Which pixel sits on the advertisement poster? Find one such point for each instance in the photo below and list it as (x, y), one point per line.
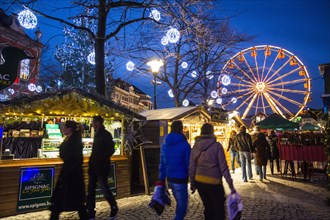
(111, 182)
(36, 188)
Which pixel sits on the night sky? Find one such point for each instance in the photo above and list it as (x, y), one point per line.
(302, 27)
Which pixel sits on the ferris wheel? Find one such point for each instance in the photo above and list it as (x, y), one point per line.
(266, 79)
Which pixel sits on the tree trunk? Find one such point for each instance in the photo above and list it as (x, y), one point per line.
(99, 49)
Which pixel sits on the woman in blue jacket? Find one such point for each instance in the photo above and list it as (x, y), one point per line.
(174, 166)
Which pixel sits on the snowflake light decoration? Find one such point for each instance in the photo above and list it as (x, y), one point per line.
(224, 91)
(11, 91)
(164, 41)
(170, 93)
(39, 88)
(185, 103)
(130, 66)
(173, 35)
(27, 19)
(219, 101)
(225, 80)
(214, 94)
(155, 14)
(234, 100)
(194, 74)
(209, 74)
(91, 58)
(184, 65)
(32, 87)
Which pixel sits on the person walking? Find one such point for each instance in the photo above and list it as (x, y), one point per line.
(69, 193)
(262, 149)
(232, 146)
(174, 165)
(99, 168)
(274, 152)
(244, 143)
(207, 167)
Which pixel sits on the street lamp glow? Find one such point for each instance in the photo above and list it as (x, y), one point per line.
(155, 65)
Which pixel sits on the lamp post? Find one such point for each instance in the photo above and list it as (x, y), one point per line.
(155, 65)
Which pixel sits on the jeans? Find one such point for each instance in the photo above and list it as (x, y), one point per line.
(246, 160)
(103, 181)
(233, 155)
(213, 198)
(262, 171)
(180, 193)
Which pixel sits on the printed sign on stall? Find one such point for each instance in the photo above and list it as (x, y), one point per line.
(111, 182)
(36, 188)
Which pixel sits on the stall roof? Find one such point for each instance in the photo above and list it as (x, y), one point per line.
(173, 113)
(276, 121)
(64, 102)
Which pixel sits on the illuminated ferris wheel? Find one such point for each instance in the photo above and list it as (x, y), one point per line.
(266, 79)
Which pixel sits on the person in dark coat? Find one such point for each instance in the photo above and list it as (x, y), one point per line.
(244, 143)
(232, 146)
(69, 193)
(99, 168)
(261, 147)
(174, 165)
(274, 152)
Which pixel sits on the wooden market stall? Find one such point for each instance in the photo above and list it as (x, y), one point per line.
(29, 148)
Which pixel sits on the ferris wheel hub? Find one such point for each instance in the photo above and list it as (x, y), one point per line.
(260, 86)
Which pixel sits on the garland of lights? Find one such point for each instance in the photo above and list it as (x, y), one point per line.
(27, 19)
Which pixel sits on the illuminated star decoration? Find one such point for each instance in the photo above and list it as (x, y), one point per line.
(209, 74)
(11, 91)
(130, 66)
(39, 88)
(224, 90)
(194, 74)
(173, 35)
(27, 19)
(214, 94)
(164, 41)
(185, 103)
(234, 100)
(170, 93)
(32, 87)
(155, 14)
(225, 80)
(184, 65)
(91, 58)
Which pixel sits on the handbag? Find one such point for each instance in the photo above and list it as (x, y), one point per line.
(234, 206)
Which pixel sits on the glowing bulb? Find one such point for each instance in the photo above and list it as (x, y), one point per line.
(214, 94)
(209, 74)
(32, 87)
(91, 58)
(219, 101)
(155, 14)
(184, 65)
(210, 102)
(130, 66)
(27, 19)
(185, 103)
(170, 93)
(224, 90)
(234, 100)
(194, 74)
(173, 35)
(225, 80)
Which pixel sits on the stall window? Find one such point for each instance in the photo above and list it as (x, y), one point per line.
(25, 69)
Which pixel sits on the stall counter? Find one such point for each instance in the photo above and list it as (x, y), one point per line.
(10, 171)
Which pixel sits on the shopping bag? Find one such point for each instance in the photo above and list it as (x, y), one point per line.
(234, 206)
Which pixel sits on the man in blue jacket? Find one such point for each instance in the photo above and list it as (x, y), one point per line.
(174, 166)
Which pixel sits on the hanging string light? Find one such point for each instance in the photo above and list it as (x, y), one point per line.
(27, 19)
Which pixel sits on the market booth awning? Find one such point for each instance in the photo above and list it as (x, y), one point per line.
(276, 121)
(310, 127)
(71, 102)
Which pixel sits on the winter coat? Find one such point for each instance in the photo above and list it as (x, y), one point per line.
(208, 162)
(262, 149)
(103, 148)
(244, 142)
(274, 152)
(69, 193)
(232, 145)
(174, 158)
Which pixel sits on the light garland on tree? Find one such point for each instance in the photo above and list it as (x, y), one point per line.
(91, 58)
(27, 19)
(164, 41)
(234, 100)
(184, 65)
(155, 14)
(130, 66)
(194, 74)
(214, 94)
(224, 91)
(173, 35)
(170, 93)
(185, 103)
(219, 101)
(209, 74)
(225, 80)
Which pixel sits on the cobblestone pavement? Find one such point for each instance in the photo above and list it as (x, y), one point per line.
(275, 198)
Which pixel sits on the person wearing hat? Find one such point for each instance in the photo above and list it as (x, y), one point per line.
(99, 168)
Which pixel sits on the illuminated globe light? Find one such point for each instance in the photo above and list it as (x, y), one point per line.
(39, 89)
(91, 58)
(209, 74)
(11, 91)
(234, 100)
(185, 103)
(219, 101)
(225, 80)
(32, 87)
(27, 19)
(224, 90)
(130, 66)
(194, 74)
(164, 41)
(155, 14)
(214, 94)
(173, 35)
(170, 93)
(184, 65)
